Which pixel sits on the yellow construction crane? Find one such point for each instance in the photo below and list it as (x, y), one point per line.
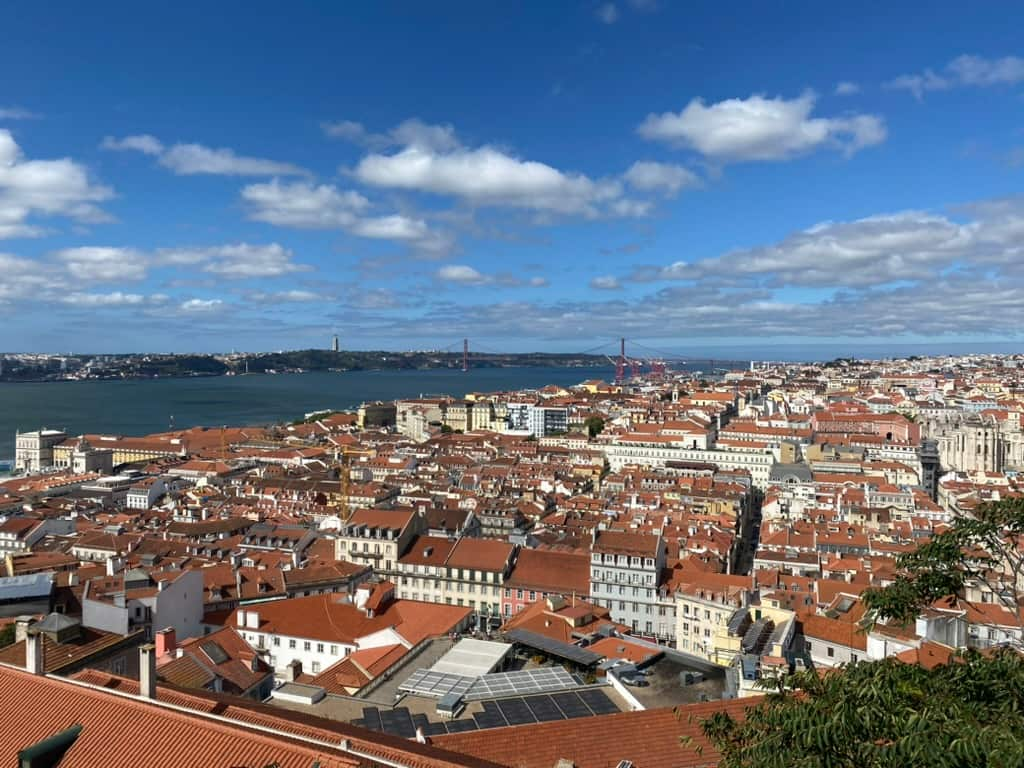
(343, 465)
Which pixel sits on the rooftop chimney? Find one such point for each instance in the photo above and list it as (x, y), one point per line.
(21, 628)
(293, 671)
(147, 671)
(34, 652)
(166, 642)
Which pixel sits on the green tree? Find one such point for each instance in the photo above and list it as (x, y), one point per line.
(594, 425)
(883, 714)
(987, 550)
(7, 635)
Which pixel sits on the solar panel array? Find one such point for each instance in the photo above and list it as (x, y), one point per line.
(426, 682)
(521, 683)
(500, 713)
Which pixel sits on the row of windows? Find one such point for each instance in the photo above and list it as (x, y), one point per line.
(307, 645)
(619, 576)
(464, 574)
(629, 606)
(637, 592)
(623, 560)
(482, 605)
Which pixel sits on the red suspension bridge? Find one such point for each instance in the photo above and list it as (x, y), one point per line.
(641, 359)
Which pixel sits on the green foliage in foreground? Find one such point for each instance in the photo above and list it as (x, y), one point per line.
(975, 549)
(885, 714)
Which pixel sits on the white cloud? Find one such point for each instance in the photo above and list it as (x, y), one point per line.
(236, 260)
(903, 247)
(192, 159)
(96, 300)
(349, 130)
(665, 177)
(412, 132)
(607, 13)
(307, 206)
(484, 176)
(144, 143)
(22, 278)
(963, 71)
(200, 305)
(847, 88)
(43, 188)
(460, 273)
(303, 205)
(393, 227)
(292, 296)
(606, 283)
(17, 113)
(760, 128)
(416, 133)
(103, 264)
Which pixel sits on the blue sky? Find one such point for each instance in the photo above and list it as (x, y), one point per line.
(202, 177)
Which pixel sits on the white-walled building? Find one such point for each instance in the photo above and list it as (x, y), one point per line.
(320, 630)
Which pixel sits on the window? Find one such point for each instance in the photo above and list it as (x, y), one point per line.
(306, 645)
(316, 667)
(275, 641)
(519, 594)
(831, 652)
(319, 647)
(533, 595)
(291, 644)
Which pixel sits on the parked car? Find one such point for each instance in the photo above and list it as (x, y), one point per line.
(637, 681)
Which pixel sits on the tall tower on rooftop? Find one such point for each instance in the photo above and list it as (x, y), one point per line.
(334, 344)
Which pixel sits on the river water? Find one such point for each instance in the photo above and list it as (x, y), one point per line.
(139, 407)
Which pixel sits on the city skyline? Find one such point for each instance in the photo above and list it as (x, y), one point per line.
(547, 178)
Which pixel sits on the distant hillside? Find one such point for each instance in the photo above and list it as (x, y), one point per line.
(324, 360)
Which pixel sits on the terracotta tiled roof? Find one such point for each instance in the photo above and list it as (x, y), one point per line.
(623, 543)
(480, 554)
(329, 618)
(648, 739)
(374, 745)
(833, 631)
(549, 571)
(119, 732)
(61, 656)
(929, 655)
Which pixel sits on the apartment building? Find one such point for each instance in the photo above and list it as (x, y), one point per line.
(378, 538)
(148, 601)
(33, 451)
(705, 605)
(625, 570)
(542, 573)
(758, 462)
(537, 420)
(468, 572)
(309, 634)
